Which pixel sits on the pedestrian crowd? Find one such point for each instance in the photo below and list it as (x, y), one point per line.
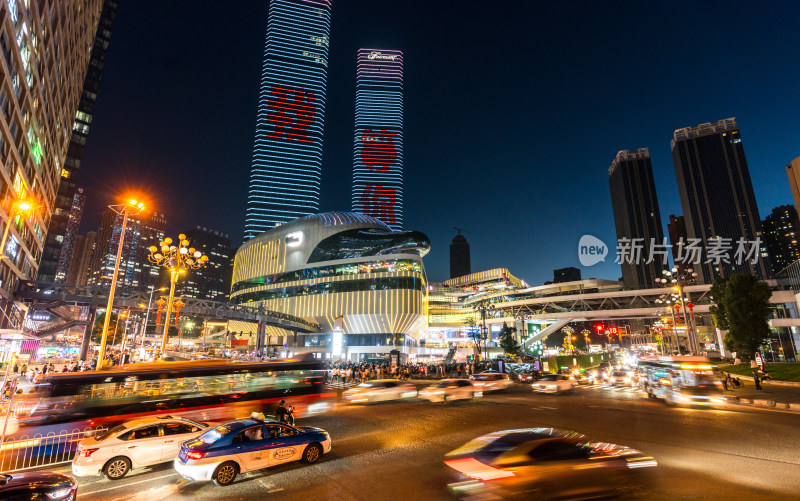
(350, 372)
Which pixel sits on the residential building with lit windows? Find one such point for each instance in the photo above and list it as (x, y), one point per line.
(337, 264)
(782, 236)
(46, 48)
(67, 240)
(60, 234)
(212, 281)
(287, 154)
(378, 146)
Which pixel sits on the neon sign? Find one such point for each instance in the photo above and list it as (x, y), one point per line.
(379, 55)
(290, 113)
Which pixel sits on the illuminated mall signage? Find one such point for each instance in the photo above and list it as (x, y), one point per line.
(293, 239)
(380, 55)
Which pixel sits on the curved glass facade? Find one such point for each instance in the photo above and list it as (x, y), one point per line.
(364, 242)
(391, 265)
(372, 284)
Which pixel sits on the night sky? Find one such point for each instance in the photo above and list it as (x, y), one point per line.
(514, 112)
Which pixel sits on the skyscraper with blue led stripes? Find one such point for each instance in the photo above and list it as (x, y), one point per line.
(378, 149)
(287, 154)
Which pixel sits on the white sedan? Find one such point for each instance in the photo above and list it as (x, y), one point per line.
(491, 381)
(553, 383)
(449, 389)
(380, 390)
(135, 444)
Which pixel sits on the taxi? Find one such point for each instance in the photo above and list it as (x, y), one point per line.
(245, 445)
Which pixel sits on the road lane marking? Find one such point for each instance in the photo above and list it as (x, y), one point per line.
(84, 493)
(551, 408)
(275, 490)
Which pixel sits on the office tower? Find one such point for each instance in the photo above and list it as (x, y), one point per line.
(55, 258)
(676, 229)
(70, 234)
(717, 198)
(637, 218)
(78, 273)
(459, 257)
(570, 274)
(45, 49)
(287, 154)
(378, 149)
(135, 271)
(212, 281)
(153, 226)
(793, 170)
(782, 236)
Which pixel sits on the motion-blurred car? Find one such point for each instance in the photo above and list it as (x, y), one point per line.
(620, 378)
(553, 383)
(539, 463)
(526, 377)
(38, 485)
(596, 374)
(449, 389)
(380, 390)
(221, 453)
(135, 444)
(490, 381)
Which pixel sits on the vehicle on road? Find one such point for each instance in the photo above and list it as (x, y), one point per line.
(223, 452)
(134, 444)
(38, 485)
(597, 374)
(553, 383)
(380, 390)
(682, 380)
(620, 378)
(490, 381)
(448, 390)
(527, 376)
(544, 463)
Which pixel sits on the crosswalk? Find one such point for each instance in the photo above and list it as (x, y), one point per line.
(610, 387)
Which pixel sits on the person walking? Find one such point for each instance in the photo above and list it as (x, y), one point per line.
(758, 383)
(724, 382)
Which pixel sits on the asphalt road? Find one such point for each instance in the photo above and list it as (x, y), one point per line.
(394, 450)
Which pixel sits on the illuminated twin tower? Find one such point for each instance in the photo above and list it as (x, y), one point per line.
(286, 168)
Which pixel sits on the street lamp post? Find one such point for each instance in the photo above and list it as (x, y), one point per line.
(178, 259)
(678, 279)
(484, 307)
(147, 314)
(131, 208)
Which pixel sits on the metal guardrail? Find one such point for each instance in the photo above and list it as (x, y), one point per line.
(26, 453)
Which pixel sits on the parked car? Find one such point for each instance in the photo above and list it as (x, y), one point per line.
(134, 444)
(38, 485)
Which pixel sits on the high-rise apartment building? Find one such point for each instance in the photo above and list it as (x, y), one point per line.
(78, 273)
(69, 237)
(212, 281)
(717, 197)
(782, 236)
(637, 218)
(287, 155)
(56, 255)
(45, 49)
(459, 257)
(793, 170)
(676, 229)
(378, 149)
(135, 271)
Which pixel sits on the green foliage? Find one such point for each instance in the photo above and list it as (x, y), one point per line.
(745, 303)
(508, 341)
(474, 334)
(114, 330)
(718, 313)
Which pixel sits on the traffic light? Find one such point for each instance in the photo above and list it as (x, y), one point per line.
(599, 328)
(613, 330)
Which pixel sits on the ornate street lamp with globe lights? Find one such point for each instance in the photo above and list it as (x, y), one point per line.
(178, 259)
(677, 280)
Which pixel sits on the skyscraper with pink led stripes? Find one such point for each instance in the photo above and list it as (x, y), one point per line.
(378, 148)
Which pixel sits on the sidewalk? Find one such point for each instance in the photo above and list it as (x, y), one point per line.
(774, 395)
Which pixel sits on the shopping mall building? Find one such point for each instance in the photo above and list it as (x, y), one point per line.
(363, 283)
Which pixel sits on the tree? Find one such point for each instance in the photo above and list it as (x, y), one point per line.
(745, 312)
(474, 334)
(717, 309)
(508, 340)
(115, 329)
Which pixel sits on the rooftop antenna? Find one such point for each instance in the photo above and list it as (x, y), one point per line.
(459, 230)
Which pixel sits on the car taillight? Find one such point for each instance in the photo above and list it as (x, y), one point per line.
(473, 468)
(194, 455)
(87, 452)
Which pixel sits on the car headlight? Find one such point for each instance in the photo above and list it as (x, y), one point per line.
(59, 493)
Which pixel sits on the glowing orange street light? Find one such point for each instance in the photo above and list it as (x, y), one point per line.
(133, 207)
(17, 207)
